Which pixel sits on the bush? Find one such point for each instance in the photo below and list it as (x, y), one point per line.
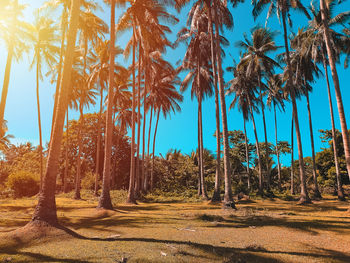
(88, 182)
(23, 183)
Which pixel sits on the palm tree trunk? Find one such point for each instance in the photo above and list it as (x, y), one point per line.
(98, 147)
(105, 198)
(39, 126)
(204, 191)
(260, 191)
(277, 150)
(80, 146)
(268, 179)
(131, 193)
(292, 159)
(340, 191)
(65, 187)
(304, 196)
(5, 86)
(246, 153)
(228, 199)
(199, 190)
(59, 69)
(338, 95)
(45, 211)
(143, 179)
(137, 176)
(216, 195)
(317, 193)
(154, 147)
(146, 183)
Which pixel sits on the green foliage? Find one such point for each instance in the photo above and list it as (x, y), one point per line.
(88, 182)
(23, 183)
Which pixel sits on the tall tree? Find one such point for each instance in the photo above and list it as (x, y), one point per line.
(45, 211)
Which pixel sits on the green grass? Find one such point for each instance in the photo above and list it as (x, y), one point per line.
(266, 230)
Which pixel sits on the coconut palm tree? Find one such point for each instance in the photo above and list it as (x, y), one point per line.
(45, 211)
(282, 9)
(15, 33)
(257, 61)
(43, 38)
(276, 97)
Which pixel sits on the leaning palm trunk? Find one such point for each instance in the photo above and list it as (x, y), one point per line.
(39, 126)
(45, 211)
(98, 147)
(131, 193)
(277, 150)
(317, 193)
(246, 153)
(338, 95)
(304, 196)
(80, 146)
(228, 199)
(105, 198)
(261, 191)
(154, 147)
(340, 191)
(64, 24)
(216, 195)
(5, 86)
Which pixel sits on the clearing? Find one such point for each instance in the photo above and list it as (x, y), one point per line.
(269, 230)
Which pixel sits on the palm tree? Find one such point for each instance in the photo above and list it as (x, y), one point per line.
(325, 10)
(43, 38)
(244, 88)
(196, 62)
(14, 32)
(83, 96)
(257, 62)
(45, 211)
(282, 7)
(276, 97)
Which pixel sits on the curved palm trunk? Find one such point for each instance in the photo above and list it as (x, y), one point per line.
(146, 183)
(64, 25)
(45, 211)
(154, 147)
(340, 191)
(137, 176)
(338, 95)
(260, 191)
(5, 86)
(277, 150)
(246, 153)
(216, 195)
(65, 187)
(228, 199)
(317, 193)
(39, 126)
(304, 196)
(131, 193)
(105, 198)
(80, 146)
(292, 159)
(98, 146)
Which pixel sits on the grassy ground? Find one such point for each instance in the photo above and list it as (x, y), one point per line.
(173, 231)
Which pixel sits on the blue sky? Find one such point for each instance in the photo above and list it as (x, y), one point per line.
(179, 131)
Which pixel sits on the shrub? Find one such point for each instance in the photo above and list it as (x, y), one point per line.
(23, 183)
(88, 182)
